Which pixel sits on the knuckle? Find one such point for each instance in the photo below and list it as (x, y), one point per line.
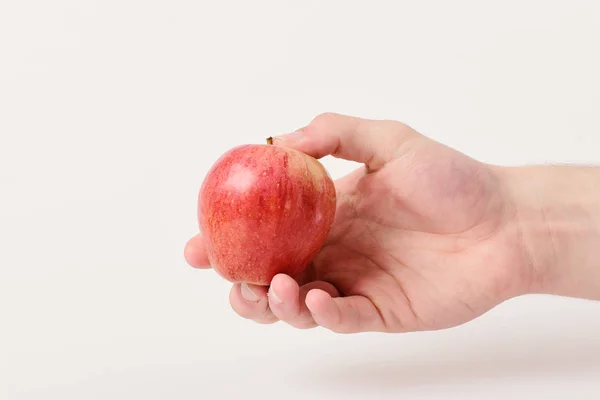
(324, 119)
(396, 128)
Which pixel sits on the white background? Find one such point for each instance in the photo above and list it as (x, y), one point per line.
(112, 111)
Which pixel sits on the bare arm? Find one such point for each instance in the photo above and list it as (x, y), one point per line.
(559, 212)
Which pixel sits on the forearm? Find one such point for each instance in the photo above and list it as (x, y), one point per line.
(558, 213)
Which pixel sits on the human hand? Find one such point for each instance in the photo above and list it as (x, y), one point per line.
(424, 237)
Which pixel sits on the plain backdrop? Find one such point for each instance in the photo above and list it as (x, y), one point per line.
(112, 111)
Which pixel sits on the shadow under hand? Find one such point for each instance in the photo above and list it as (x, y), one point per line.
(464, 356)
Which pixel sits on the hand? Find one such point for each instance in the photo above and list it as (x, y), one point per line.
(424, 237)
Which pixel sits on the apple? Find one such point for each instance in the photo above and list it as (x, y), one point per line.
(264, 209)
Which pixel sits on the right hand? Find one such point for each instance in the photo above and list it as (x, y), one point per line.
(424, 237)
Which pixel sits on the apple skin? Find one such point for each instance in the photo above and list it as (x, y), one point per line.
(264, 210)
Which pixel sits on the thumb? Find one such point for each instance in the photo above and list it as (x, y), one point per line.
(371, 142)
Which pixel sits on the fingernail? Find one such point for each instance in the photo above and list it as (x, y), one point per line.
(273, 296)
(291, 137)
(248, 294)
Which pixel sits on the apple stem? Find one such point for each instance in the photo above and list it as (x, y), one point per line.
(269, 140)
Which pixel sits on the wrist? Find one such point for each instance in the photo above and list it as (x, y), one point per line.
(557, 213)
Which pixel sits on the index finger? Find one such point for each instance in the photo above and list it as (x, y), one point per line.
(371, 142)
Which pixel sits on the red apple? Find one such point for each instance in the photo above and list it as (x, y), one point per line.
(264, 210)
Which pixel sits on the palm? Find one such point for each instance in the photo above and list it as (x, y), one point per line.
(426, 238)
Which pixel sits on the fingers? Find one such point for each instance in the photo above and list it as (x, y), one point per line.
(251, 302)
(370, 142)
(286, 300)
(283, 300)
(314, 304)
(344, 314)
(195, 254)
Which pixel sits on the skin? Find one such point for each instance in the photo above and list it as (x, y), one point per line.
(428, 238)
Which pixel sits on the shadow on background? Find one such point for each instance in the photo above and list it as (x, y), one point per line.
(521, 343)
(567, 351)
